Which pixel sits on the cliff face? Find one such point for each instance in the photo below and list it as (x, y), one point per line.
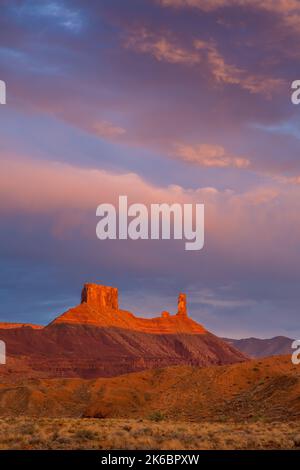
(96, 339)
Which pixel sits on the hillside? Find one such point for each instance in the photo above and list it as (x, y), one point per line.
(268, 389)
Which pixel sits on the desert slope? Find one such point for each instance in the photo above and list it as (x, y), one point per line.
(268, 389)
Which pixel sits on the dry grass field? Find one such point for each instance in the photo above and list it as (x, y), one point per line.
(72, 433)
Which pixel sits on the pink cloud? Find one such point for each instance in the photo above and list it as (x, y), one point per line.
(164, 48)
(238, 226)
(107, 130)
(210, 156)
(288, 10)
(233, 75)
(47, 187)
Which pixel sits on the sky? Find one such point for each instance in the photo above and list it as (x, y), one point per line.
(176, 101)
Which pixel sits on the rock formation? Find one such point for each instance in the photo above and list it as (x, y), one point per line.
(97, 338)
(100, 297)
(165, 314)
(182, 310)
(99, 307)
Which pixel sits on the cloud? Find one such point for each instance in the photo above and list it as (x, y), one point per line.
(164, 48)
(204, 87)
(68, 193)
(288, 10)
(259, 196)
(41, 187)
(213, 298)
(286, 7)
(232, 75)
(57, 12)
(210, 156)
(107, 130)
(288, 180)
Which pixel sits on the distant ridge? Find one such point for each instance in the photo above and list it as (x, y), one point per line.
(7, 325)
(255, 347)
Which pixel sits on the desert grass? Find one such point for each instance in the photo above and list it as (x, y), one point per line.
(71, 433)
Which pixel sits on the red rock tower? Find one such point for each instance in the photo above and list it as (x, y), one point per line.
(182, 310)
(100, 297)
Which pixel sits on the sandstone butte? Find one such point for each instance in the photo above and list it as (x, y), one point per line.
(100, 307)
